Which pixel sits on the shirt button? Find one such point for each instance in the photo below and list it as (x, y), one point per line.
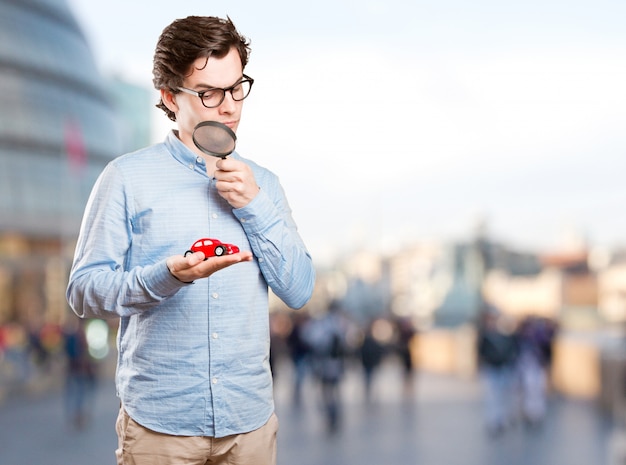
(214, 215)
(215, 336)
(191, 166)
(214, 380)
(243, 220)
(215, 295)
(199, 159)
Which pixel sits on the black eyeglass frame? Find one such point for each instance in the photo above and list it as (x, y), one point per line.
(224, 90)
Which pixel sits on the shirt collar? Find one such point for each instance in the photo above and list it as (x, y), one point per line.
(179, 151)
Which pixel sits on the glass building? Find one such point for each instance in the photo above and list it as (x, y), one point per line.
(58, 128)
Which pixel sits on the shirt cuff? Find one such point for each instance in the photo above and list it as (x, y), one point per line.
(161, 282)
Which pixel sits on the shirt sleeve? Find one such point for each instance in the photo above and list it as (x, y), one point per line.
(283, 258)
(99, 284)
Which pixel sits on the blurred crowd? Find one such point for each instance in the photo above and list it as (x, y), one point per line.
(324, 347)
(514, 359)
(43, 357)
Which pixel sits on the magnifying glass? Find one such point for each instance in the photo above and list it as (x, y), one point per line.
(215, 139)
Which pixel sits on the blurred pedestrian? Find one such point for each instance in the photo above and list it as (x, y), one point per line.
(38, 353)
(371, 351)
(328, 339)
(536, 336)
(299, 351)
(280, 328)
(80, 374)
(498, 350)
(406, 335)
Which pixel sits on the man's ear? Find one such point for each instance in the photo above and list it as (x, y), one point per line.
(169, 100)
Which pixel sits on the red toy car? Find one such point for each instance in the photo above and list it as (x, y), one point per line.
(212, 248)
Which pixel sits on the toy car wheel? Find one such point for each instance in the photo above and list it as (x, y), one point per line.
(189, 252)
(220, 250)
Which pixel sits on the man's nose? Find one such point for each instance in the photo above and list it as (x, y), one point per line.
(228, 104)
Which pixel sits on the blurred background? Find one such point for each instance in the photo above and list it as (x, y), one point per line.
(444, 160)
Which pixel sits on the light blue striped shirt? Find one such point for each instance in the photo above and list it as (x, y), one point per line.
(193, 359)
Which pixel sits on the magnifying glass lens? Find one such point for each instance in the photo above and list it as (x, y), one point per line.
(215, 139)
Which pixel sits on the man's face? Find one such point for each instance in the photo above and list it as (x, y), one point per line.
(216, 73)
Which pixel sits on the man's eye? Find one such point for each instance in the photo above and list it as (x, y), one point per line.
(209, 95)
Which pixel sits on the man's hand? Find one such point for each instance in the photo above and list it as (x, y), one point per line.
(235, 182)
(194, 266)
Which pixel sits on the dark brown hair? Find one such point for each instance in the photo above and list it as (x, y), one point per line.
(184, 41)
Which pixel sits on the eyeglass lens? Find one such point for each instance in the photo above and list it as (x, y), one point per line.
(214, 97)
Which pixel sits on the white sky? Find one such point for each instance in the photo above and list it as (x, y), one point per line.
(391, 121)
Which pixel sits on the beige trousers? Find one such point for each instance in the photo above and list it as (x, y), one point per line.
(140, 446)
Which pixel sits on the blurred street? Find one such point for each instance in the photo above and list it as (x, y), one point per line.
(439, 423)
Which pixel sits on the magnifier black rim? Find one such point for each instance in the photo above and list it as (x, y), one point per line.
(218, 125)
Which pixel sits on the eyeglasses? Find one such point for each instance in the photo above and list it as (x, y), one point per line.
(214, 96)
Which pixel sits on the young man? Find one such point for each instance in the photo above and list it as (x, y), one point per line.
(193, 371)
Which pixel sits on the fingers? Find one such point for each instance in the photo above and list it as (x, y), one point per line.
(195, 258)
(194, 266)
(230, 171)
(230, 177)
(214, 264)
(227, 164)
(235, 182)
(179, 263)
